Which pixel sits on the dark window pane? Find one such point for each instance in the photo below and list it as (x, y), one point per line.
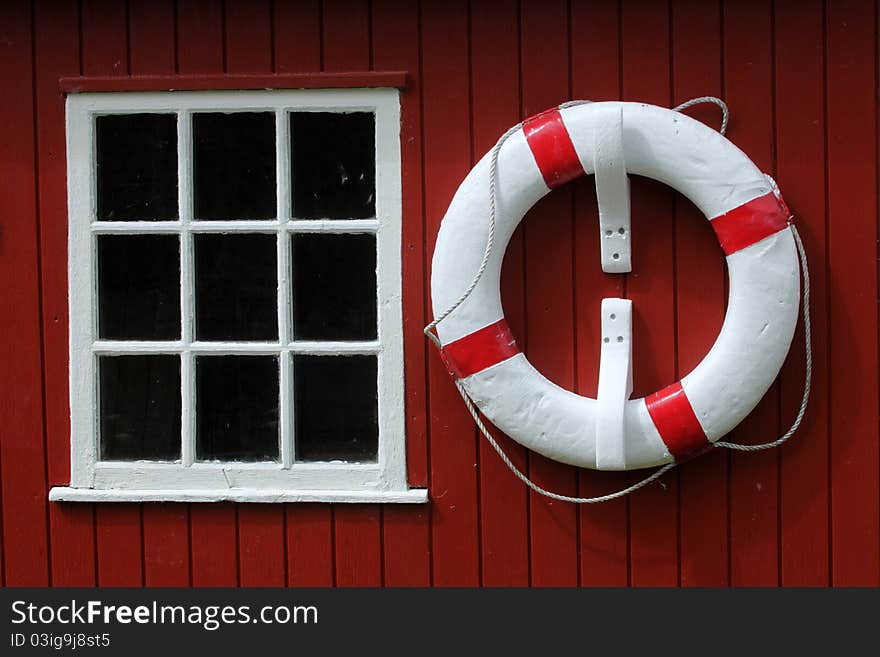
(333, 165)
(138, 287)
(236, 287)
(334, 287)
(335, 408)
(234, 165)
(137, 167)
(237, 408)
(140, 407)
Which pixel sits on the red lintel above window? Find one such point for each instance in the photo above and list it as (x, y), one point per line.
(396, 79)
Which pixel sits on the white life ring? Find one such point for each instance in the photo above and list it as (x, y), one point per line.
(751, 222)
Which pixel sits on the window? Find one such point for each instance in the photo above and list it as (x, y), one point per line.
(235, 296)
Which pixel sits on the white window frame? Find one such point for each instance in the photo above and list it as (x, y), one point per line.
(188, 480)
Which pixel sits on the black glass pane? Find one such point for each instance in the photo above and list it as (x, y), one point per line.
(237, 408)
(334, 287)
(234, 165)
(136, 167)
(138, 287)
(333, 165)
(335, 408)
(236, 287)
(139, 407)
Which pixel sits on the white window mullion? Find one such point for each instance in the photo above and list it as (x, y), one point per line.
(282, 155)
(336, 348)
(283, 196)
(131, 347)
(128, 227)
(282, 160)
(187, 288)
(187, 406)
(285, 409)
(334, 225)
(248, 226)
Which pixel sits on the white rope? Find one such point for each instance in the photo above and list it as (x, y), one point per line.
(725, 113)
(808, 358)
(535, 487)
(490, 240)
(487, 253)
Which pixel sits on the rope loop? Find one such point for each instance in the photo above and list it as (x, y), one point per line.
(487, 253)
(725, 113)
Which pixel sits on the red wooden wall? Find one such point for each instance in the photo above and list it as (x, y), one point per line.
(800, 77)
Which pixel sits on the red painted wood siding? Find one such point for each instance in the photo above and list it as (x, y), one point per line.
(800, 77)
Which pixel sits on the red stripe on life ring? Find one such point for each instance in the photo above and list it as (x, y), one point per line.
(674, 417)
(750, 222)
(552, 148)
(478, 350)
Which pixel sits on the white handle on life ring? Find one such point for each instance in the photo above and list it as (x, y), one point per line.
(683, 419)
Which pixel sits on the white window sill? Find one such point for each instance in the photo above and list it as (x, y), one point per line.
(68, 494)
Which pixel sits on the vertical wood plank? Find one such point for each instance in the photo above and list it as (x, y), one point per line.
(214, 542)
(406, 535)
(118, 528)
(71, 526)
(447, 143)
(119, 543)
(646, 77)
(699, 289)
(406, 545)
(309, 545)
(748, 75)
(22, 458)
(104, 37)
(2, 546)
(200, 46)
(852, 254)
(72, 540)
(603, 527)
(165, 526)
(201, 49)
(261, 545)
(549, 293)
(504, 523)
(358, 545)
(357, 527)
(166, 545)
(248, 36)
(800, 169)
(346, 35)
(297, 36)
(151, 37)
